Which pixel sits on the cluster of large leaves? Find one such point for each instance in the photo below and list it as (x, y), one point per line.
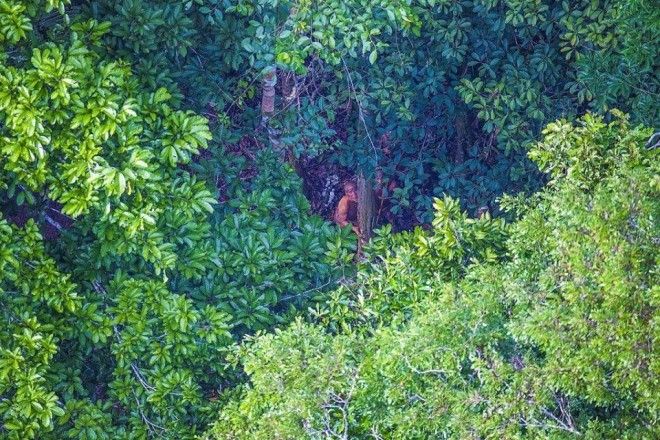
(557, 341)
(16, 17)
(76, 129)
(624, 74)
(115, 326)
(37, 302)
(270, 255)
(132, 360)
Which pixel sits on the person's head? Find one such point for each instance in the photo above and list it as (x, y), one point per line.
(350, 190)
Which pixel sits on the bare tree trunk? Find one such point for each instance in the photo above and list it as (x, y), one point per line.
(268, 95)
(289, 88)
(268, 110)
(366, 207)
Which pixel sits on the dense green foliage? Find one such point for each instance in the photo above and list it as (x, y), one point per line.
(558, 340)
(116, 325)
(441, 96)
(165, 272)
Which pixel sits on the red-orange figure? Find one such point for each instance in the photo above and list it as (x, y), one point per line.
(346, 212)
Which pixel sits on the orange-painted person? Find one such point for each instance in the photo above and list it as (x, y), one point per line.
(346, 212)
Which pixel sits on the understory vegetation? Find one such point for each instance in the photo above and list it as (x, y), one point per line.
(169, 266)
(544, 327)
